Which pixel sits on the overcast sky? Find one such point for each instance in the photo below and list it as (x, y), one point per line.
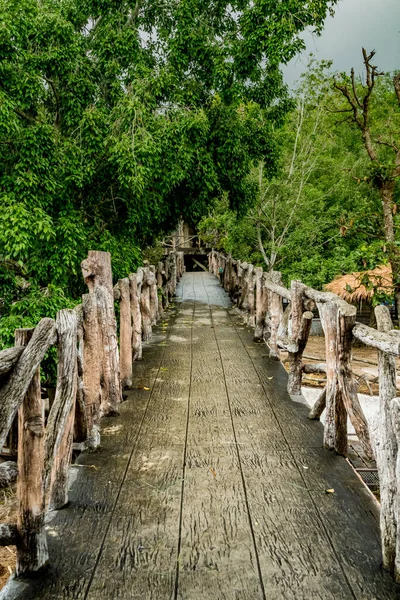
(374, 24)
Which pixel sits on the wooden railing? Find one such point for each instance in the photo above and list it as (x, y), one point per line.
(260, 295)
(91, 373)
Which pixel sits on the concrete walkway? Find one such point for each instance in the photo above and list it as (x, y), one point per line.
(211, 484)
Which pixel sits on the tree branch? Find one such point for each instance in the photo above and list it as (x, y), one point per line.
(57, 118)
(388, 144)
(396, 83)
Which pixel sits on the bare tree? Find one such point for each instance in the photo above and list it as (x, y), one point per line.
(358, 98)
(280, 201)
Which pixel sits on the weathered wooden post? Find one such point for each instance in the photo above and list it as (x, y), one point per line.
(80, 425)
(386, 448)
(215, 263)
(261, 304)
(296, 358)
(235, 287)
(135, 284)
(153, 295)
(335, 430)
(166, 277)
(111, 391)
(13, 391)
(160, 285)
(228, 274)
(299, 330)
(275, 311)
(92, 372)
(172, 274)
(251, 296)
(125, 331)
(60, 423)
(32, 552)
(395, 412)
(243, 301)
(145, 307)
(338, 319)
(96, 270)
(319, 406)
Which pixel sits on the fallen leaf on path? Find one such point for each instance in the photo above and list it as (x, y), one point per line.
(269, 378)
(330, 491)
(213, 472)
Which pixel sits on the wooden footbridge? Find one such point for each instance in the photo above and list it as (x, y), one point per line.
(210, 483)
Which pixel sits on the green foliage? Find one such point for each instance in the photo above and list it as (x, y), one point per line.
(119, 118)
(317, 216)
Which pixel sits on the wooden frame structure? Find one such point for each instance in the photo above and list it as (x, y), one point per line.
(260, 295)
(92, 371)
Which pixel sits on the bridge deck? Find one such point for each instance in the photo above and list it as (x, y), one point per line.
(212, 483)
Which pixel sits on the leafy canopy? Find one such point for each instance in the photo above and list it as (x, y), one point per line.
(118, 117)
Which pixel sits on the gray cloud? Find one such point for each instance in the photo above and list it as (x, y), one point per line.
(374, 24)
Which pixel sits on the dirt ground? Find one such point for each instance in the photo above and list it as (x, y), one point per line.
(8, 514)
(366, 372)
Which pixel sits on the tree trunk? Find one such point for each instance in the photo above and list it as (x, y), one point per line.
(32, 552)
(386, 192)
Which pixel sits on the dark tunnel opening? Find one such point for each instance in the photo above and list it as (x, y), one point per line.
(192, 262)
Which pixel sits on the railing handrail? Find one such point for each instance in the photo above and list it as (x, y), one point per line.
(260, 295)
(91, 373)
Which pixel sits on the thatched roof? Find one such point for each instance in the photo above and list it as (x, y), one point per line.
(355, 287)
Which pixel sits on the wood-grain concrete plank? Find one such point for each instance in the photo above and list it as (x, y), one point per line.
(212, 485)
(217, 552)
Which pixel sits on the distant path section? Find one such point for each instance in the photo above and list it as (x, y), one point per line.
(212, 484)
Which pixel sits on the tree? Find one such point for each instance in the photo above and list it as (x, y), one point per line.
(118, 118)
(309, 219)
(363, 101)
